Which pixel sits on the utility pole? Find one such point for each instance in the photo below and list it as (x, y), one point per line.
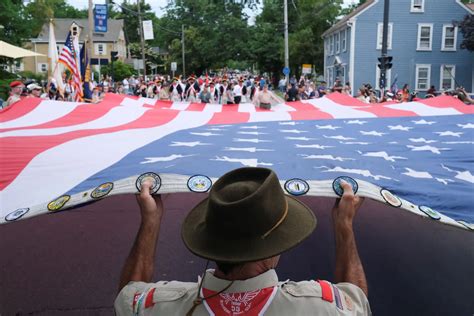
(383, 60)
(140, 27)
(182, 42)
(91, 31)
(287, 54)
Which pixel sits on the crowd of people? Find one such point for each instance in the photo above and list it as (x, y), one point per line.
(225, 89)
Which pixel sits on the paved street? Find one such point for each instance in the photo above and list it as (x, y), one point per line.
(69, 263)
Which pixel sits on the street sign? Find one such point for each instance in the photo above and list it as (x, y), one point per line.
(100, 18)
(148, 30)
(307, 69)
(174, 66)
(286, 71)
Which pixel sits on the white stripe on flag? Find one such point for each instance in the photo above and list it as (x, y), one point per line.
(212, 107)
(269, 116)
(45, 112)
(85, 156)
(423, 109)
(247, 108)
(336, 110)
(117, 116)
(139, 102)
(180, 106)
(283, 107)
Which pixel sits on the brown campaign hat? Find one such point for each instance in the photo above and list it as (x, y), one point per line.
(246, 217)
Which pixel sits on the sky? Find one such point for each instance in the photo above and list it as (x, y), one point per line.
(156, 5)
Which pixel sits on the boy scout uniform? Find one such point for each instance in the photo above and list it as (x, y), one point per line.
(261, 295)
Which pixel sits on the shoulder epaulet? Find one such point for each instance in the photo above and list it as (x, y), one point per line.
(326, 291)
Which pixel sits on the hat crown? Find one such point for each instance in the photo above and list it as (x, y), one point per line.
(245, 203)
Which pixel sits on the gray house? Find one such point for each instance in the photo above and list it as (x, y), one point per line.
(422, 39)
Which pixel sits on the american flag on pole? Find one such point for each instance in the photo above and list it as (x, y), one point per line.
(70, 58)
(417, 157)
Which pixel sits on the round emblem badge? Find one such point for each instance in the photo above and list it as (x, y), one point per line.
(199, 183)
(102, 190)
(58, 203)
(296, 186)
(336, 185)
(430, 212)
(153, 178)
(391, 199)
(13, 216)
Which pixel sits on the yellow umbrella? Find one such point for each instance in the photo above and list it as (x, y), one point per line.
(12, 51)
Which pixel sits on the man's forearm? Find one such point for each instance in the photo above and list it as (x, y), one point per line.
(348, 265)
(139, 265)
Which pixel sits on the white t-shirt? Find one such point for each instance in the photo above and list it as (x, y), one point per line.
(237, 91)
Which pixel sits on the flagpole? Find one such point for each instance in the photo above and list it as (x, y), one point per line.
(91, 26)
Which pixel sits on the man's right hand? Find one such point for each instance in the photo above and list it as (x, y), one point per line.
(345, 209)
(348, 265)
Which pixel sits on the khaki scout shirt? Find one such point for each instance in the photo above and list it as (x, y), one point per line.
(261, 295)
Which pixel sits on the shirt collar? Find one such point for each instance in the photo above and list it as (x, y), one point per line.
(264, 280)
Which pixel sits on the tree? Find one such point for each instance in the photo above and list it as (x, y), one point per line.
(467, 29)
(14, 21)
(121, 70)
(40, 11)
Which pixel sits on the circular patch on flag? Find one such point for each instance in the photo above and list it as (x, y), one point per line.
(13, 216)
(102, 190)
(391, 199)
(199, 183)
(336, 185)
(469, 226)
(153, 178)
(58, 203)
(296, 186)
(430, 212)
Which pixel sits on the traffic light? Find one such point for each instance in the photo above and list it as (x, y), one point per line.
(113, 56)
(385, 62)
(388, 62)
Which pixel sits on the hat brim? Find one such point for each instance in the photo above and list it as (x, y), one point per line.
(296, 227)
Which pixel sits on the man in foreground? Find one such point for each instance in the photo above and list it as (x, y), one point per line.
(244, 225)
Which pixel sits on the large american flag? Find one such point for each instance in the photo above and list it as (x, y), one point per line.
(421, 152)
(70, 58)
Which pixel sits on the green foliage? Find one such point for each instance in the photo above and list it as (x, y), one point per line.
(40, 11)
(15, 22)
(466, 27)
(31, 75)
(121, 70)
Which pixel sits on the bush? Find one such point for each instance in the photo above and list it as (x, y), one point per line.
(32, 75)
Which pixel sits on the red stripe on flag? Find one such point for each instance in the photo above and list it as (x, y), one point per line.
(309, 115)
(446, 101)
(344, 99)
(229, 118)
(230, 107)
(196, 107)
(19, 109)
(17, 152)
(81, 114)
(163, 104)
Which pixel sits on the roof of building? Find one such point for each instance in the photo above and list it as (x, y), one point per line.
(346, 18)
(61, 29)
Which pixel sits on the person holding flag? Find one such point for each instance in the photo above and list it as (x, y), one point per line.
(70, 58)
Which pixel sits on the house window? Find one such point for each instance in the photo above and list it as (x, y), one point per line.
(388, 79)
(417, 6)
(380, 35)
(448, 73)
(336, 39)
(100, 49)
(331, 45)
(74, 31)
(42, 67)
(330, 76)
(423, 75)
(344, 40)
(327, 46)
(449, 37)
(425, 34)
